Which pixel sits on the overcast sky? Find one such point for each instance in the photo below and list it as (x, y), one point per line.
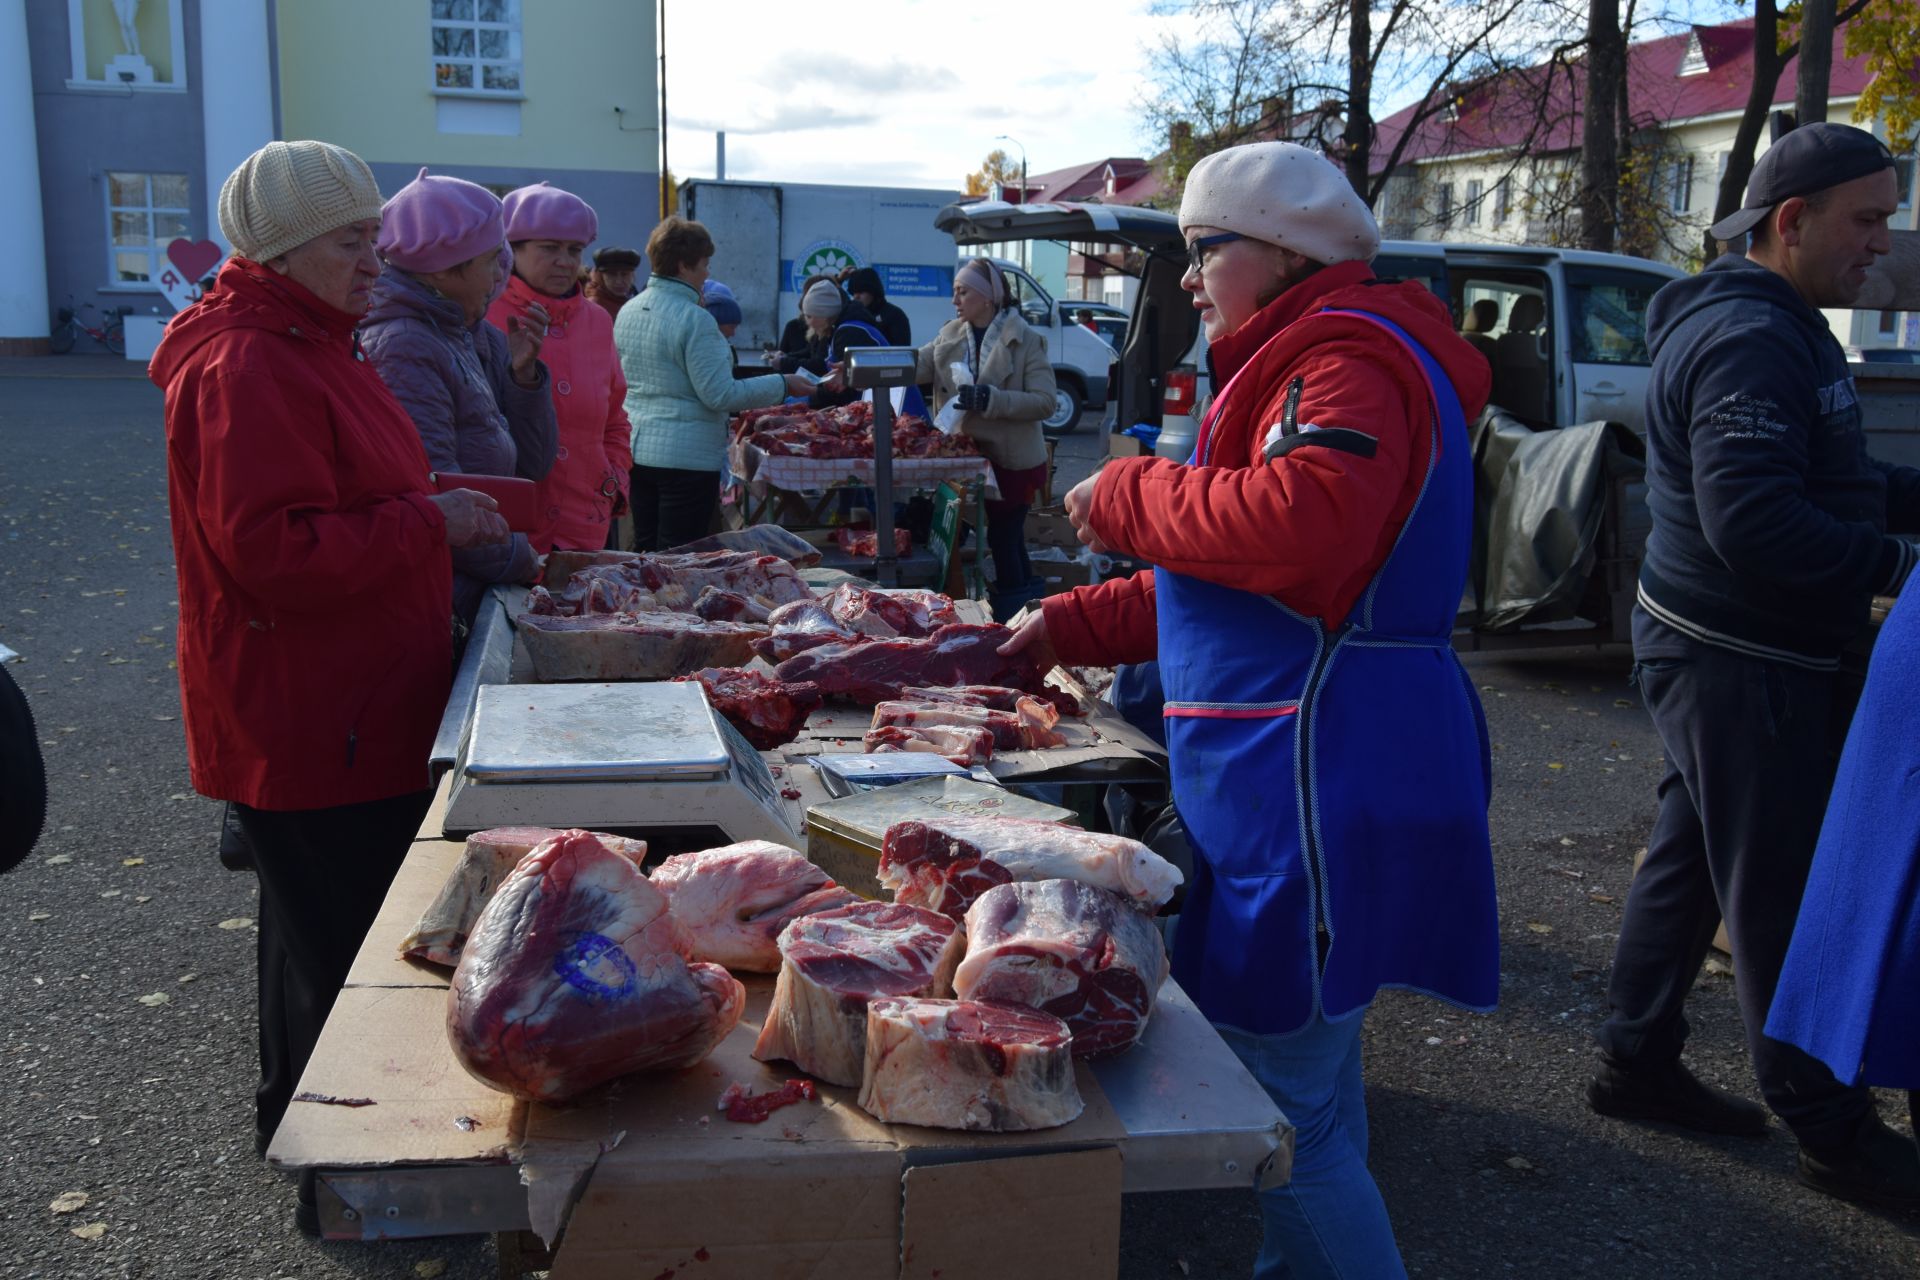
(911, 92)
(905, 93)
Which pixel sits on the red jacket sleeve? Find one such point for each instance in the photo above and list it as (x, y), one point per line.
(619, 437)
(269, 509)
(1105, 625)
(1309, 528)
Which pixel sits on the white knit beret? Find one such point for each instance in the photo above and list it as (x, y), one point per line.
(1285, 195)
(286, 193)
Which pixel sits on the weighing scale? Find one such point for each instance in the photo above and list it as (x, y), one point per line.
(646, 756)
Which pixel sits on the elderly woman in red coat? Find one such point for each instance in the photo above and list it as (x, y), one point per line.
(314, 574)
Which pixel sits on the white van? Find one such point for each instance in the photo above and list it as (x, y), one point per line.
(1082, 360)
(1563, 329)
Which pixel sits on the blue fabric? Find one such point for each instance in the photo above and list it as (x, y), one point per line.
(1769, 518)
(1329, 1220)
(1850, 988)
(1334, 782)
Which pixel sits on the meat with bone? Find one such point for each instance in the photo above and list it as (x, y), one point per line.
(1028, 728)
(832, 963)
(945, 863)
(716, 605)
(887, 614)
(632, 646)
(670, 581)
(865, 543)
(489, 857)
(768, 713)
(967, 1064)
(577, 974)
(733, 901)
(996, 697)
(965, 745)
(961, 653)
(802, 625)
(1082, 954)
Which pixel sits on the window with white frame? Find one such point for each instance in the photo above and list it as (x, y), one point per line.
(1443, 206)
(1680, 184)
(142, 49)
(476, 45)
(1472, 211)
(1903, 178)
(1502, 199)
(146, 212)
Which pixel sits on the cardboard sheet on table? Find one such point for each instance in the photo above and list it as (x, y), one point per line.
(389, 1045)
(1051, 1216)
(417, 884)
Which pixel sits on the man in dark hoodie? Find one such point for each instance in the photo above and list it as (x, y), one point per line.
(863, 284)
(1770, 536)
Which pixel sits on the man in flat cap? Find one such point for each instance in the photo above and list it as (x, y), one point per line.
(1771, 534)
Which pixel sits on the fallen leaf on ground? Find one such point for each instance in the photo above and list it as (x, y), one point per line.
(1566, 841)
(188, 977)
(1519, 1162)
(69, 1202)
(41, 915)
(181, 795)
(157, 999)
(133, 862)
(1556, 765)
(1622, 702)
(237, 922)
(92, 1231)
(1602, 897)
(145, 897)
(1536, 927)
(430, 1268)
(59, 859)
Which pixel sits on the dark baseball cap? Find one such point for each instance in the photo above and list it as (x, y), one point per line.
(1809, 159)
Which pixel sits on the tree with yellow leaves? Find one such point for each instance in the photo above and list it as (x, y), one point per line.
(997, 167)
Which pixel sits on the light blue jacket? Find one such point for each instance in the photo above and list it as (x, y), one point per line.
(680, 383)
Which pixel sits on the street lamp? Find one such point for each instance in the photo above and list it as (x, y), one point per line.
(1001, 137)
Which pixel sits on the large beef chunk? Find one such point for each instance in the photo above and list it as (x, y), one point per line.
(945, 863)
(734, 901)
(1079, 953)
(877, 670)
(768, 713)
(577, 974)
(967, 1064)
(832, 963)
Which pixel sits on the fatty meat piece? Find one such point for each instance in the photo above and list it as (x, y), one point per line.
(577, 974)
(1080, 953)
(733, 901)
(485, 863)
(832, 963)
(967, 1064)
(876, 671)
(1029, 727)
(799, 626)
(945, 863)
(964, 746)
(887, 615)
(768, 713)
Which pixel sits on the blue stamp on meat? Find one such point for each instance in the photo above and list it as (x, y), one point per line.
(596, 966)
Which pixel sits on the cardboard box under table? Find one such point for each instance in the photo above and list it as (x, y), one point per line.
(643, 1176)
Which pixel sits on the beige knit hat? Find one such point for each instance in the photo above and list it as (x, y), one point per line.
(286, 193)
(1285, 195)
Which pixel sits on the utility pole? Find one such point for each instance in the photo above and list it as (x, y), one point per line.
(664, 171)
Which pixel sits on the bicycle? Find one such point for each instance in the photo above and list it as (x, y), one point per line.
(110, 334)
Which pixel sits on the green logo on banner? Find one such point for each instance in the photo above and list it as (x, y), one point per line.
(824, 258)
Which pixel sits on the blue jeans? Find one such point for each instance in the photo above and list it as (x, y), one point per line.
(1329, 1220)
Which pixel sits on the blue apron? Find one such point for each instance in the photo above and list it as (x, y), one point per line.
(912, 402)
(1335, 782)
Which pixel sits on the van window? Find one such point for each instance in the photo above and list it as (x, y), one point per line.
(1506, 315)
(1610, 314)
(1432, 272)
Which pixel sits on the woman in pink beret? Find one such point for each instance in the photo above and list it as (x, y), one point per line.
(550, 230)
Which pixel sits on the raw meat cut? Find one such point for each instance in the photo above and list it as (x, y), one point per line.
(832, 963)
(997, 697)
(965, 745)
(865, 543)
(768, 713)
(1029, 728)
(667, 581)
(842, 432)
(945, 863)
(967, 1064)
(802, 625)
(734, 901)
(1080, 953)
(869, 611)
(632, 646)
(961, 653)
(716, 605)
(485, 863)
(740, 1104)
(577, 974)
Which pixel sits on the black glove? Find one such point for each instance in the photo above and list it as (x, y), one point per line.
(972, 399)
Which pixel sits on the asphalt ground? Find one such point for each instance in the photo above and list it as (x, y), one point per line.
(127, 992)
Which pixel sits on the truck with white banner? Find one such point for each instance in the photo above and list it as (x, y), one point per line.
(770, 236)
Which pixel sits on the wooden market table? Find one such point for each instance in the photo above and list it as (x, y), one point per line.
(644, 1174)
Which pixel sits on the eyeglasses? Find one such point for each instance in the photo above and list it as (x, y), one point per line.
(1197, 248)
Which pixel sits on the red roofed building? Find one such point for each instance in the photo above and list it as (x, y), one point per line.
(1502, 165)
(1083, 272)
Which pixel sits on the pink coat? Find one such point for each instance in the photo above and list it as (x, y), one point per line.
(589, 475)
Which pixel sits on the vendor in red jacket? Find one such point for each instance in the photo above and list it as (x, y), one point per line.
(313, 566)
(1327, 751)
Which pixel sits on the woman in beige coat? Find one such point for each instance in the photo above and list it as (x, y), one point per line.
(1007, 391)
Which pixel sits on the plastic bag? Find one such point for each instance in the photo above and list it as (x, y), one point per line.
(948, 420)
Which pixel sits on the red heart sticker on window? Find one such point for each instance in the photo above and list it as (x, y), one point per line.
(195, 258)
